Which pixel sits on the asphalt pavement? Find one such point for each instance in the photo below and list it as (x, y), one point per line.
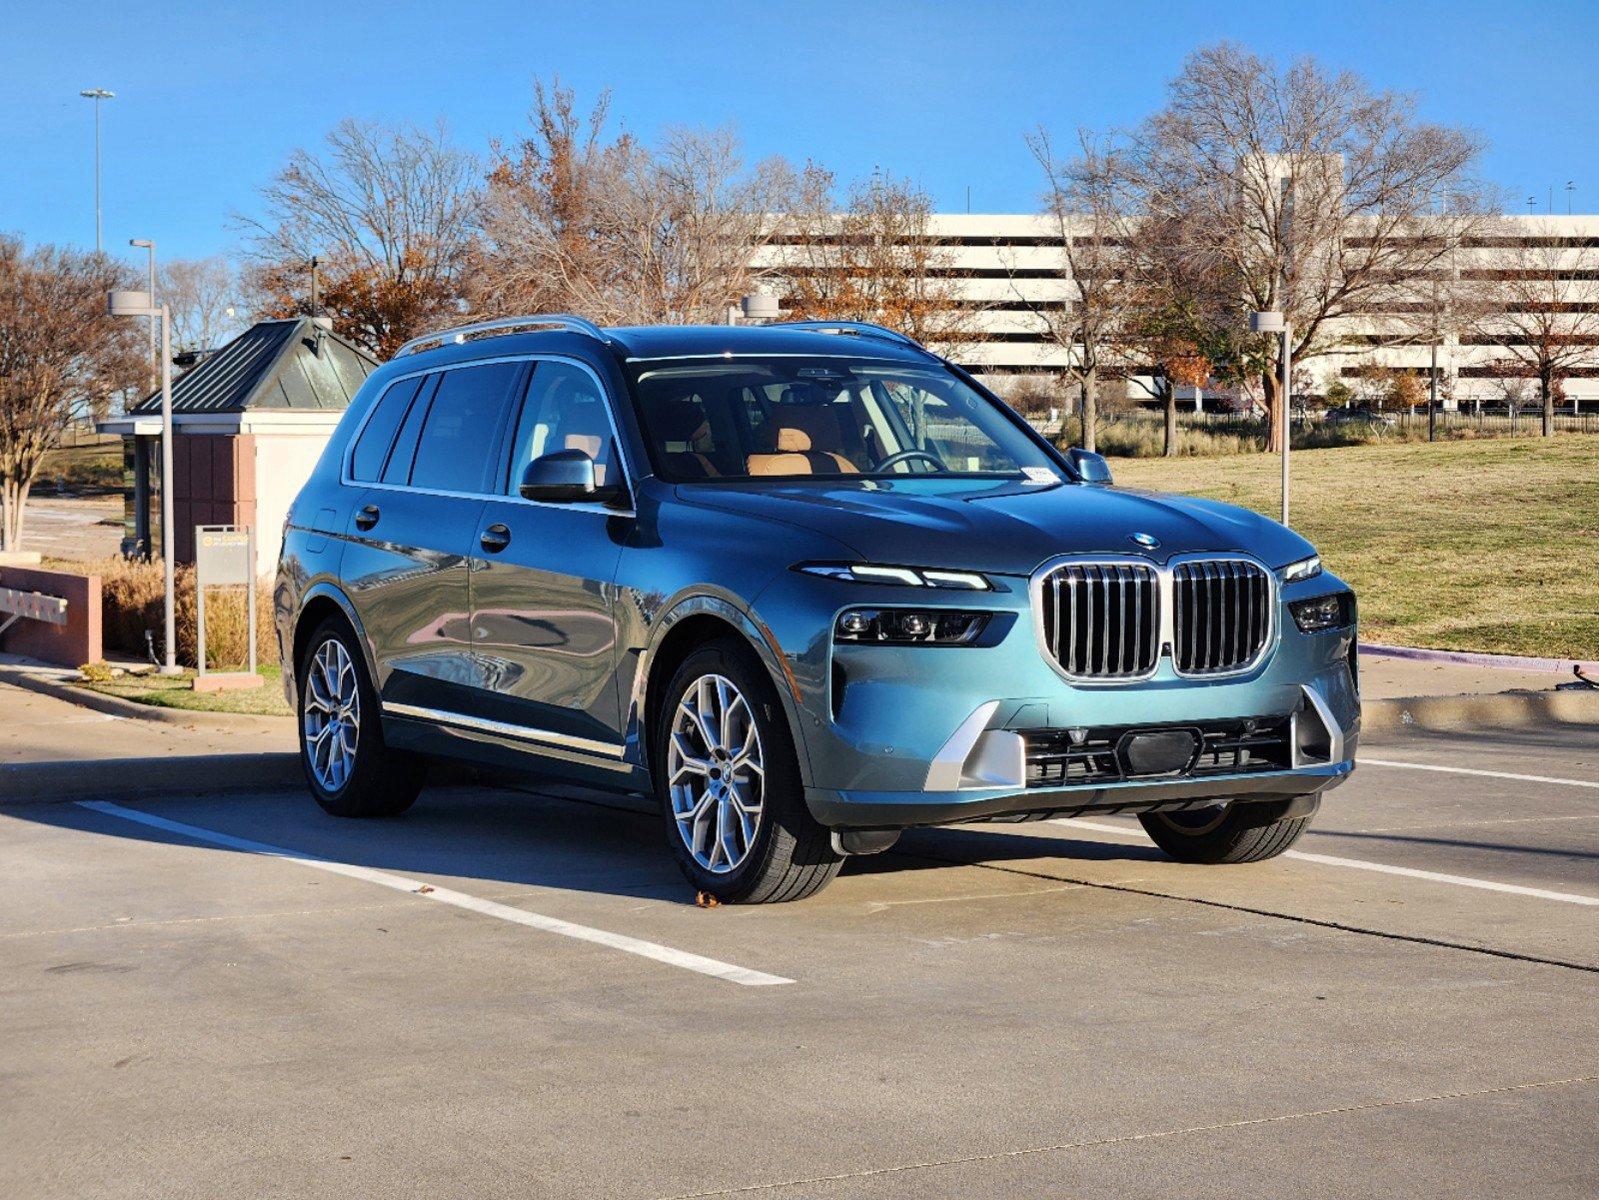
(511, 993)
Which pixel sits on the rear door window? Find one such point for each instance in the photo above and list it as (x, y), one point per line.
(372, 447)
(462, 429)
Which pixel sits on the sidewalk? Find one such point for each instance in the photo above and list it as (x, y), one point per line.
(1383, 677)
(51, 748)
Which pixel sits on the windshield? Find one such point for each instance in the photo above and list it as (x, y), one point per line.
(794, 418)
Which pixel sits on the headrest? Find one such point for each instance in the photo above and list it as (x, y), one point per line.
(681, 420)
(792, 440)
(588, 443)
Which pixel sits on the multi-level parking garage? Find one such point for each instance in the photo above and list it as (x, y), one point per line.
(1010, 270)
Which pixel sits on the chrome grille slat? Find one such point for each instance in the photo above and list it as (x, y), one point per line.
(1102, 620)
(1224, 615)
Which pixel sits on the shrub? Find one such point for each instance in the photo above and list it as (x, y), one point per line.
(131, 603)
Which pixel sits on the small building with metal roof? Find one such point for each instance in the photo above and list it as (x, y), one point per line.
(249, 421)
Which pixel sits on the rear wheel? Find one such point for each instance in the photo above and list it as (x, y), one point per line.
(727, 777)
(1223, 832)
(350, 771)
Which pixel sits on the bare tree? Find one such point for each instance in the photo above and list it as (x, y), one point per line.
(1091, 223)
(390, 214)
(61, 358)
(874, 258)
(621, 232)
(1545, 314)
(203, 295)
(1309, 187)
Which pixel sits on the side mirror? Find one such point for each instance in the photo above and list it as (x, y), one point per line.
(564, 477)
(1090, 467)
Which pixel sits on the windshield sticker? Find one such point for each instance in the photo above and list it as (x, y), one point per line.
(1040, 475)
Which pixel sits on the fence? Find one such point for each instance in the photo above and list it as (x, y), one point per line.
(1326, 427)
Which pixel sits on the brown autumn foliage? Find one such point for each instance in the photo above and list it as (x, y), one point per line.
(875, 259)
(61, 357)
(390, 215)
(575, 219)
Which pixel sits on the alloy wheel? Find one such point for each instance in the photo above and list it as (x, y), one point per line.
(332, 715)
(716, 774)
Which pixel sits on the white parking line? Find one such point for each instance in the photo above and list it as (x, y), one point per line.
(1330, 860)
(1415, 766)
(489, 908)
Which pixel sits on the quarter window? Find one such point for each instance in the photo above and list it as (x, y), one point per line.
(462, 427)
(372, 448)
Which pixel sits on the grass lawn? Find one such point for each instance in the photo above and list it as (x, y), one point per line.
(91, 468)
(177, 691)
(1488, 545)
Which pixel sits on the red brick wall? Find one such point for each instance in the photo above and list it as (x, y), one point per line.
(70, 645)
(213, 479)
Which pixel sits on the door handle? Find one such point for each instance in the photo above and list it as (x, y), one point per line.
(495, 538)
(367, 517)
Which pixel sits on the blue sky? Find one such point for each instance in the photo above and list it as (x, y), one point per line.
(213, 96)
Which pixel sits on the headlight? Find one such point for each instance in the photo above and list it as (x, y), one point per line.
(969, 581)
(1324, 612)
(909, 626)
(1305, 568)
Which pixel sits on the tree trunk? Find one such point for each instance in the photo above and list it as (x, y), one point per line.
(1171, 419)
(1548, 394)
(13, 500)
(1272, 387)
(1090, 409)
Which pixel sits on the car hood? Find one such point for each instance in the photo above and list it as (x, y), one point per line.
(1003, 527)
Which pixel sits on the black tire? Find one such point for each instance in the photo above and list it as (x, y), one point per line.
(383, 782)
(790, 855)
(1242, 833)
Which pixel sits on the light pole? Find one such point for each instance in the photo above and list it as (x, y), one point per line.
(1571, 186)
(97, 95)
(155, 365)
(142, 304)
(1274, 322)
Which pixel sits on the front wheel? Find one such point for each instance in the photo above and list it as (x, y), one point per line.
(1223, 832)
(350, 770)
(727, 777)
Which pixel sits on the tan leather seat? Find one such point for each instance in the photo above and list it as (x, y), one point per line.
(684, 427)
(808, 442)
(591, 445)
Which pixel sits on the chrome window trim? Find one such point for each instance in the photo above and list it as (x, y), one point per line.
(1166, 626)
(610, 415)
(521, 733)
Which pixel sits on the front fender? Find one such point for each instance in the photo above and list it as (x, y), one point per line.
(755, 633)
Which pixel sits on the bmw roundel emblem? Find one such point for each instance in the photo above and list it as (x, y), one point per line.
(1147, 540)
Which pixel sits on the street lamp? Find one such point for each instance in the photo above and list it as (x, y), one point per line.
(142, 304)
(155, 365)
(97, 95)
(1275, 322)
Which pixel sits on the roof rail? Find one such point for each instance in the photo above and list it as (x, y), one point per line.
(856, 329)
(505, 325)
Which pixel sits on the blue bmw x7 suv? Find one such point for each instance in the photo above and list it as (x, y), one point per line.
(808, 585)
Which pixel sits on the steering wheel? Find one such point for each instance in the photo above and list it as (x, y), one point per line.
(906, 455)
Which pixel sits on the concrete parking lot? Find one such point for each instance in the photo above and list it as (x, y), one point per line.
(511, 993)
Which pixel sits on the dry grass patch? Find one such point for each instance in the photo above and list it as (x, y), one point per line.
(1467, 545)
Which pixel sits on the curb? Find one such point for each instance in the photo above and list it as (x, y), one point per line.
(34, 681)
(1471, 658)
(199, 774)
(1452, 714)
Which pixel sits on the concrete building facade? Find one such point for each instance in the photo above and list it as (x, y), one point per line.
(1008, 266)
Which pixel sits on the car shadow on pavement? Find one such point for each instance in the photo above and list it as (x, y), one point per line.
(560, 838)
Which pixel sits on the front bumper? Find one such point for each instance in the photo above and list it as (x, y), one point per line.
(894, 736)
(899, 810)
